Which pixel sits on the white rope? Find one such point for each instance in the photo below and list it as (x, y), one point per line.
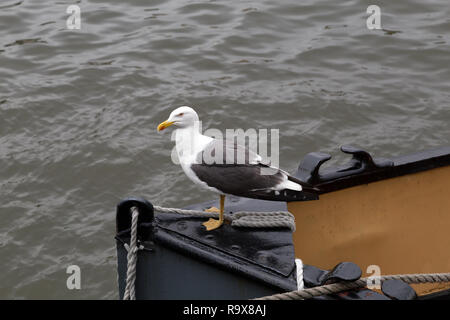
(132, 249)
(362, 282)
(247, 219)
(299, 269)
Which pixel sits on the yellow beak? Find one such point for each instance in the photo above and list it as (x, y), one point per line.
(164, 125)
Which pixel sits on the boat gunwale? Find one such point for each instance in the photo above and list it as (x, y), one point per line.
(329, 180)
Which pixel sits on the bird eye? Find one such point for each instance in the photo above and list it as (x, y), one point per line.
(180, 114)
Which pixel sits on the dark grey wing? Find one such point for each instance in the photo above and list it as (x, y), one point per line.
(225, 152)
(234, 169)
(240, 180)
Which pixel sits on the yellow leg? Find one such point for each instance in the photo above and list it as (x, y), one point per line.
(212, 224)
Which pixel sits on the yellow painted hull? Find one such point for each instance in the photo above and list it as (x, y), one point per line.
(400, 224)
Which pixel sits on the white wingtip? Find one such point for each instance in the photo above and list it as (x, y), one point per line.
(290, 185)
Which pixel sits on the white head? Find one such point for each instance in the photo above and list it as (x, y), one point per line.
(181, 117)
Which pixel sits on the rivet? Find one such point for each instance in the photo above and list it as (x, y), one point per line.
(209, 237)
(181, 225)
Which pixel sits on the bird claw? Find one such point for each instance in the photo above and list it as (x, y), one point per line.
(212, 224)
(212, 209)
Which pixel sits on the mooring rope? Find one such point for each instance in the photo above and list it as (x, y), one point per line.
(344, 286)
(132, 249)
(246, 219)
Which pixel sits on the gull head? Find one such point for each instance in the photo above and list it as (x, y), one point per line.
(181, 117)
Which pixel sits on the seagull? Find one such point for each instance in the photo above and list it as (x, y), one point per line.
(225, 167)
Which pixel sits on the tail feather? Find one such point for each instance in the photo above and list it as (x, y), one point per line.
(291, 185)
(305, 186)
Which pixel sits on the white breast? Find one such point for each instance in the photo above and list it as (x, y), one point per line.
(189, 144)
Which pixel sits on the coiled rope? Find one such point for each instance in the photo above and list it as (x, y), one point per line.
(247, 219)
(267, 219)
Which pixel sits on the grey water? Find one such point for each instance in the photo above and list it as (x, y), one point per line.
(79, 108)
